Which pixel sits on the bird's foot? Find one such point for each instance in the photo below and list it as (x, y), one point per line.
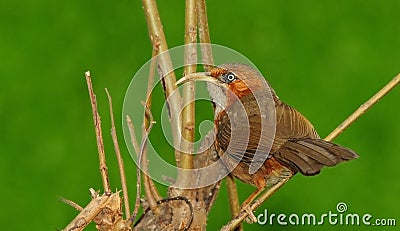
(251, 218)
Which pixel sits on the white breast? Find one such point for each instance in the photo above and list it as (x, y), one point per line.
(218, 96)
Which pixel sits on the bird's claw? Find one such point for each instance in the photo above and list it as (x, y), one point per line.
(251, 218)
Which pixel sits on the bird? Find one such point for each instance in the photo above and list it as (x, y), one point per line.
(289, 144)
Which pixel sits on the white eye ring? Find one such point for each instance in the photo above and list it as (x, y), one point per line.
(230, 77)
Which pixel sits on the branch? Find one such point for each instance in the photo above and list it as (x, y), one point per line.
(201, 198)
(363, 108)
(143, 162)
(350, 120)
(188, 116)
(165, 67)
(148, 182)
(104, 210)
(119, 158)
(233, 199)
(257, 203)
(138, 171)
(133, 135)
(71, 203)
(204, 35)
(152, 194)
(99, 136)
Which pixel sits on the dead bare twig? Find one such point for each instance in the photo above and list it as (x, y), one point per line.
(143, 162)
(99, 136)
(138, 171)
(152, 202)
(71, 203)
(104, 210)
(152, 191)
(119, 158)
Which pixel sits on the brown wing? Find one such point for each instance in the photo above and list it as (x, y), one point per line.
(291, 124)
(297, 144)
(308, 156)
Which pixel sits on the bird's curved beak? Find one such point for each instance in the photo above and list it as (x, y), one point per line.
(199, 76)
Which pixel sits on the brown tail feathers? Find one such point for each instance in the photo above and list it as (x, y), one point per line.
(308, 156)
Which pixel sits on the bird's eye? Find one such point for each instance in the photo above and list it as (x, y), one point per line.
(230, 77)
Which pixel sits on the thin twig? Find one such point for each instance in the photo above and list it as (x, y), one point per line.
(148, 182)
(143, 151)
(71, 203)
(99, 136)
(133, 135)
(363, 108)
(154, 193)
(204, 35)
(138, 171)
(143, 162)
(350, 120)
(119, 158)
(149, 191)
(257, 203)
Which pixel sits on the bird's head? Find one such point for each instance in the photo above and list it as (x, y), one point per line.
(239, 79)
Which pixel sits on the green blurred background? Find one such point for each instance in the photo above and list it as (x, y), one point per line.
(323, 57)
